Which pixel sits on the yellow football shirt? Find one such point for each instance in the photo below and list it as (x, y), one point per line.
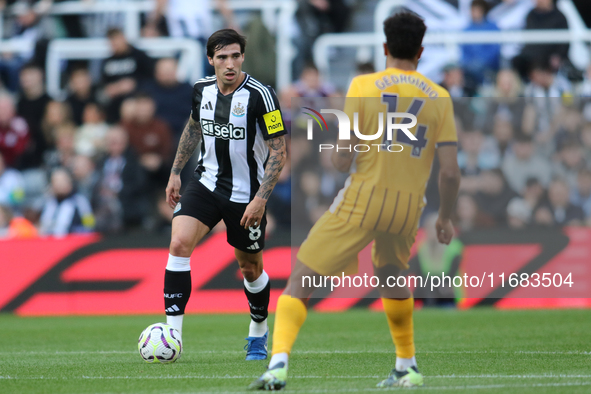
(386, 188)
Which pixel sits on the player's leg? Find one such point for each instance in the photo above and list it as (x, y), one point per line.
(257, 289)
(248, 246)
(323, 253)
(390, 256)
(290, 316)
(186, 233)
(194, 216)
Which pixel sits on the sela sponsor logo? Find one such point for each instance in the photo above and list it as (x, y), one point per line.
(177, 208)
(173, 295)
(407, 121)
(223, 131)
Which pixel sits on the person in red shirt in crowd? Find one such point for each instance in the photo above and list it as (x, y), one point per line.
(14, 132)
(149, 136)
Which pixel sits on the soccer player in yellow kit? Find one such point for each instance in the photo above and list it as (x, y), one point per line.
(382, 200)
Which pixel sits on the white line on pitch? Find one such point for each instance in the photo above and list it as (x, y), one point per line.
(572, 352)
(489, 376)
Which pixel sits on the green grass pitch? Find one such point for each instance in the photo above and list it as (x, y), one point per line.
(480, 350)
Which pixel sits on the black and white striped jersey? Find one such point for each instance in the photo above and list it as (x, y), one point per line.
(235, 127)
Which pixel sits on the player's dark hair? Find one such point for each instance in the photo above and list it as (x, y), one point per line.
(223, 38)
(404, 34)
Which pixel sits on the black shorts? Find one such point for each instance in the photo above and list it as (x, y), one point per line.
(209, 208)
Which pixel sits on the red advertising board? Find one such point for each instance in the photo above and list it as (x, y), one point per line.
(124, 275)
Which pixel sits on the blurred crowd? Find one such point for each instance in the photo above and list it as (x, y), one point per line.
(98, 158)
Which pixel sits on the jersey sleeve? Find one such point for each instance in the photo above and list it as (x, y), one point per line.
(196, 102)
(269, 116)
(447, 134)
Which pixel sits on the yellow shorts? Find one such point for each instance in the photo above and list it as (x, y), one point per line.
(333, 245)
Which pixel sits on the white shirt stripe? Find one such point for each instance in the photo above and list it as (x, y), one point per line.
(266, 93)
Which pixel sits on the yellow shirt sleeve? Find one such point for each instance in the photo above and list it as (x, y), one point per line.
(447, 131)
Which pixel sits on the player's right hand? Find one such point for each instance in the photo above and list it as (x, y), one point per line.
(173, 190)
(445, 230)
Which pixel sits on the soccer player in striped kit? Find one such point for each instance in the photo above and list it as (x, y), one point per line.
(238, 122)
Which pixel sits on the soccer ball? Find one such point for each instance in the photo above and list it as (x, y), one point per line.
(160, 343)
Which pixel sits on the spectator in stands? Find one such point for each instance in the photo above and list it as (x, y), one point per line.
(24, 32)
(520, 209)
(170, 95)
(64, 152)
(310, 84)
(65, 211)
(544, 16)
(493, 197)
(522, 163)
(316, 17)
(544, 82)
(568, 123)
(480, 61)
(314, 204)
(11, 185)
(466, 213)
(473, 157)
(14, 226)
(32, 106)
(504, 101)
(586, 142)
(85, 175)
(14, 132)
(90, 137)
(119, 201)
(570, 162)
(558, 210)
(5, 218)
(81, 92)
(581, 195)
(455, 83)
(122, 72)
(151, 139)
(502, 135)
(57, 114)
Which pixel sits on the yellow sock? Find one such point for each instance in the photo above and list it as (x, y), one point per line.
(399, 314)
(290, 316)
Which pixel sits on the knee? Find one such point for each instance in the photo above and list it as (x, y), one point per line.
(250, 271)
(180, 247)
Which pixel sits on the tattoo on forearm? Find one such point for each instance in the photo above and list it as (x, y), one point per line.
(189, 140)
(274, 166)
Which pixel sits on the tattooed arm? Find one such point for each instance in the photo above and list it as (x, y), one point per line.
(277, 156)
(189, 140)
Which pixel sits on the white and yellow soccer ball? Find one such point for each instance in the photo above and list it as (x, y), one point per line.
(160, 343)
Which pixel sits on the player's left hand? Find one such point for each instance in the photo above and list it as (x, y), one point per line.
(253, 214)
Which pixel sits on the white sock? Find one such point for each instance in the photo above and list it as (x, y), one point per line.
(178, 264)
(258, 285)
(278, 358)
(257, 329)
(176, 322)
(402, 364)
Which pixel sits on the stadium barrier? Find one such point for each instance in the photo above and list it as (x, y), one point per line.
(91, 274)
(578, 35)
(277, 15)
